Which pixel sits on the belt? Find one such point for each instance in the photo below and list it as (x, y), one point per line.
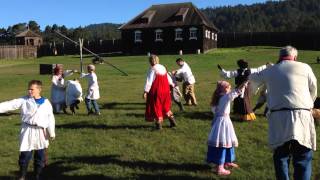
(289, 109)
(31, 125)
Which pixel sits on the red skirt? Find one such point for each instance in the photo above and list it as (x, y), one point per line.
(158, 100)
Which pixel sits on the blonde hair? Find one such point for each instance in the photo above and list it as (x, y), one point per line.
(91, 67)
(154, 59)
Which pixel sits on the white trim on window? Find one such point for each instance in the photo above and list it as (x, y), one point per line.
(158, 34)
(212, 36)
(193, 33)
(137, 36)
(216, 37)
(209, 33)
(178, 34)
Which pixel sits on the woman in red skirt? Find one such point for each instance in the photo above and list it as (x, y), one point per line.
(157, 94)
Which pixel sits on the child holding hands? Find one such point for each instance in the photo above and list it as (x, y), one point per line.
(222, 138)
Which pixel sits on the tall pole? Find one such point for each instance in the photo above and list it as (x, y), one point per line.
(96, 55)
(81, 59)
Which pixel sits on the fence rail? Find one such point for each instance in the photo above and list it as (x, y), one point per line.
(17, 52)
(301, 40)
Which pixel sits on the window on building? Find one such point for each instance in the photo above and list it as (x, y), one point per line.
(212, 36)
(216, 37)
(193, 33)
(209, 33)
(178, 34)
(137, 36)
(159, 35)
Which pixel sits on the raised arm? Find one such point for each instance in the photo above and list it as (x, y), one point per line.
(228, 74)
(258, 69)
(11, 105)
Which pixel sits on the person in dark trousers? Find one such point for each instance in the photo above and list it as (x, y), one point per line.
(38, 125)
(292, 90)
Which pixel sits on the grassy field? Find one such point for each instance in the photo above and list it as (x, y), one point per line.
(119, 144)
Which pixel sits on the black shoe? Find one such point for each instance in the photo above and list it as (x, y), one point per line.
(23, 172)
(158, 126)
(172, 122)
(37, 172)
(90, 113)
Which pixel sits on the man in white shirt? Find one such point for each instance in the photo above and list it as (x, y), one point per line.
(292, 89)
(188, 79)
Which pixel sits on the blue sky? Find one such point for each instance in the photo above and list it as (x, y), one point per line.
(74, 13)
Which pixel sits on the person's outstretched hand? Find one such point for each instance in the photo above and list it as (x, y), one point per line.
(219, 67)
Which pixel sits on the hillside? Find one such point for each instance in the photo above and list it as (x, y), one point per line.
(272, 16)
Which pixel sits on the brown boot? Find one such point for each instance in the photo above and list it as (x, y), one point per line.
(172, 121)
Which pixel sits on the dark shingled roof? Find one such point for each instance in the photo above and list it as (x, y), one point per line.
(166, 15)
(27, 33)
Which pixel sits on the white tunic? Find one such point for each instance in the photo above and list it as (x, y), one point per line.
(37, 122)
(73, 92)
(186, 74)
(290, 84)
(93, 86)
(222, 133)
(58, 88)
(151, 76)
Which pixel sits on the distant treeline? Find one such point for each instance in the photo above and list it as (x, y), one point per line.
(93, 32)
(272, 16)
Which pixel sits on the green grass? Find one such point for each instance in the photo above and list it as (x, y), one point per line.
(120, 144)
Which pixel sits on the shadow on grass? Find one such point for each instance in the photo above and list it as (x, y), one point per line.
(207, 116)
(9, 114)
(59, 169)
(86, 125)
(124, 106)
(136, 115)
(163, 176)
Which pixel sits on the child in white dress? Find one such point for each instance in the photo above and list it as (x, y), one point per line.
(222, 138)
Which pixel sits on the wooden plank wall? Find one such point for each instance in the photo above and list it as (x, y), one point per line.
(17, 52)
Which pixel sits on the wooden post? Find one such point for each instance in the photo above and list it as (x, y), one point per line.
(81, 60)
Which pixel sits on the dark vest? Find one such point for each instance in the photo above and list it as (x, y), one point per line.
(242, 76)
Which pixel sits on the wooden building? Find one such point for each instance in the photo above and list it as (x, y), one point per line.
(28, 38)
(168, 29)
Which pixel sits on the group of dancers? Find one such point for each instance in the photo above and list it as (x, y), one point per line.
(38, 123)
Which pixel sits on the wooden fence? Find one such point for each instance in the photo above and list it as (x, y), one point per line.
(301, 40)
(17, 52)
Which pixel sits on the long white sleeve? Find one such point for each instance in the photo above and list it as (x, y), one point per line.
(258, 69)
(312, 81)
(228, 74)
(150, 78)
(51, 127)
(11, 105)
